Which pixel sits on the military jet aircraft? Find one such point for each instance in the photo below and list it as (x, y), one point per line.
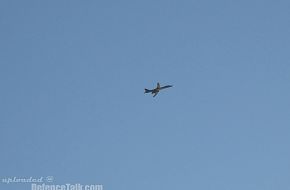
(157, 89)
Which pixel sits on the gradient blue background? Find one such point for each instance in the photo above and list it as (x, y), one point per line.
(72, 75)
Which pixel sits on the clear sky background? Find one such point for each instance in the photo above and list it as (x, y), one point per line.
(72, 102)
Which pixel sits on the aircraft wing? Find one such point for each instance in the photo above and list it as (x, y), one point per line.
(158, 85)
(167, 86)
(155, 94)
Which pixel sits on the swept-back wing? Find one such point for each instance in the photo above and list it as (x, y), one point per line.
(167, 86)
(155, 94)
(158, 85)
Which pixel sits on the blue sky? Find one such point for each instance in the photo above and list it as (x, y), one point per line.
(73, 73)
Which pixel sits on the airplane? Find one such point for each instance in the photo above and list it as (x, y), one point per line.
(157, 89)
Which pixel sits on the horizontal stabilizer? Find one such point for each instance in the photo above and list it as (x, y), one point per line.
(147, 91)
